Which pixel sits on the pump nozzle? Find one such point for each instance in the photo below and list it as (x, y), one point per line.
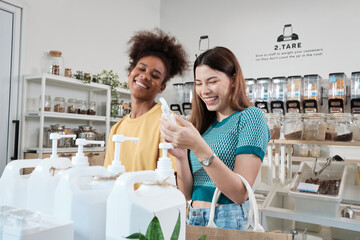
(80, 160)
(164, 165)
(167, 114)
(56, 136)
(116, 166)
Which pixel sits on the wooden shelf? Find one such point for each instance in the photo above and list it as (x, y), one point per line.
(333, 143)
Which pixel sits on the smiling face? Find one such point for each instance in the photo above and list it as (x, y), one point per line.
(146, 79)
(213, 88)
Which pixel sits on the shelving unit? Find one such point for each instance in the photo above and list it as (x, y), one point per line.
(43, 84)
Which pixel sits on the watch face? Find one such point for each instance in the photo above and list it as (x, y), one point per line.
(205, 162)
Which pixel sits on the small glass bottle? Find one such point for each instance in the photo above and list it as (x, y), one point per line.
(82, 106)
(47, 104)
(304, 150)
(67, 72)
(72, 105)
(59, 104)
(92, 108)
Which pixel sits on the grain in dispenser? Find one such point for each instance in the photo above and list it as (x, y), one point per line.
(355, 92)
(337, 92)
(278, 95)
(312, 99)
(294, 94)
(263, 94)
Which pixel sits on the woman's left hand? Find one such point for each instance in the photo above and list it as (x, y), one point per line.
(184, 136)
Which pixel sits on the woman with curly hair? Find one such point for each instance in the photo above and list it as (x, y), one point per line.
(155, 57)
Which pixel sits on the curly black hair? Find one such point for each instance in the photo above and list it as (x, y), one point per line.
(158, 43)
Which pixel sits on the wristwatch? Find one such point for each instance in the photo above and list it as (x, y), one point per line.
(207, 161)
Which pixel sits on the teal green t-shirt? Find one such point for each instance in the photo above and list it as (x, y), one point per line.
(243, 132)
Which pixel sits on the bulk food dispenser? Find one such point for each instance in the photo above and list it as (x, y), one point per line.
(294, 94)
(337, 92)
(250, 89)
(278, 95)
(355, 92)
(312, 98)
(263, 94)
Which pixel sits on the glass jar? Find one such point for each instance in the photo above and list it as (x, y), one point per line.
(55, 62)
(356, 128)
(117, 108)
(79, 75)
(274, 122)
(355, 92)
(312, 98)
(250, 89)
(87, 77)
(81, 106)
(293, 126)
(315, 151)
(337, 92)
(330, 127)
(59, 104)
(92, 108)
(343, 127)
(304, 150)
(72, 105)
(314, 126)
(188, 91)
(47, 103)
(67, 72)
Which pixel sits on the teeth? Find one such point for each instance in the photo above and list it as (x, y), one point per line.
(210, 99)
(140, 84)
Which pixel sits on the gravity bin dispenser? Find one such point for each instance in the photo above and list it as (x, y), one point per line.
(312, 93)
(355, 93)
(278, 95)
(263, 94)
(337, 92)
(294, 94)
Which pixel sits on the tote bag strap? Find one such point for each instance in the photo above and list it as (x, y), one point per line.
(253, 208)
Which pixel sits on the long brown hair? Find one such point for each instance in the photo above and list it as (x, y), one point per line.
(223, 60)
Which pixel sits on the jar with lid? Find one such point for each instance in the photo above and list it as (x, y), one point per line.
(55, 62)
(343, 127)
(79, 75)
(59, 104)
(262, 94)
(355, 92)
(92, 108)
(47, 103)
(294, 94)
(274, 122)
(188, 91)
(304, 150)
(314, 126)
(293, 126)
(278, 94)
(82, 106)
(356, 128)
(72, 105)
(67, 72)
(250, 89)
(337, 92)
(312, 98)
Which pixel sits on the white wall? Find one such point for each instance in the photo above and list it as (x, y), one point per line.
(251, 27)
(92, 34)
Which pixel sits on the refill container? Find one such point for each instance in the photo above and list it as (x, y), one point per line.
(278, 94)
(312, 98)
(263, 94)
(250, 89)
(13, 185)
(294, 94)
(355, 92)
(82, 192)
(19, 224)
(337, 92)
(45, 177)
(131, 211)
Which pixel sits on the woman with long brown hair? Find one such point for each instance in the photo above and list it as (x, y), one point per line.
(225, 137)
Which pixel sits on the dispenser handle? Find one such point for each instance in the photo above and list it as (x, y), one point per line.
(17, 165)
(131, 178)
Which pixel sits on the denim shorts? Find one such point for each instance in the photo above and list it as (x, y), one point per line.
(229, 216)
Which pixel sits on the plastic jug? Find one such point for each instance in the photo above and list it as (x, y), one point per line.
(20, 224)
(130, 211)
(13, 185)
(82, 193)
(45, 177)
